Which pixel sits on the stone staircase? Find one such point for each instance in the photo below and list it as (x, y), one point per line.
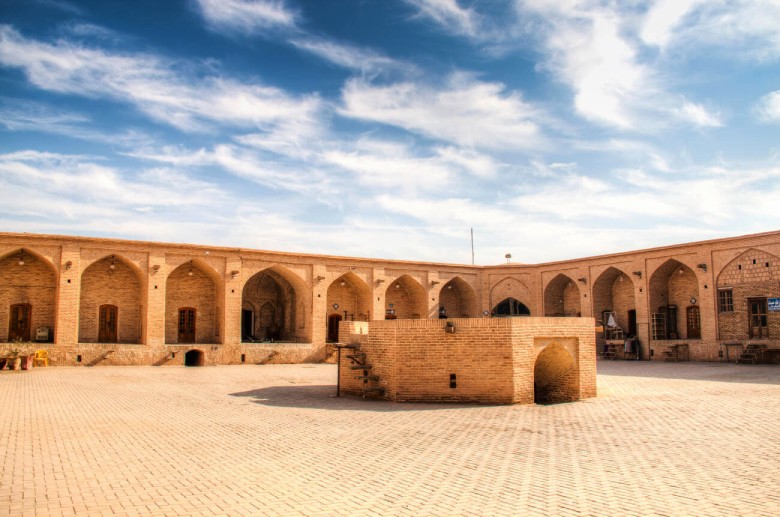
(359, 363)
(752, 354)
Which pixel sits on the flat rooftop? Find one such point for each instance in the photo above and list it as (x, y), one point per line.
(660, 439)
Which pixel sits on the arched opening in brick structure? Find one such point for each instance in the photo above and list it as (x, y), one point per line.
(28, 297)
(191, 304)
(406, 298)
(510, 288)
(613, 292)
(111, 282)
(556, 377)
(272, 306)
(744, 287)
(193, 358)
(510, 308)
(349, 298)
(562, 297)
(458, 299)
(674, 298)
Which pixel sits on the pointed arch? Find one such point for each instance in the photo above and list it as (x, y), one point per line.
(278, 298)
(458, 299)
(29, 280)
(349, 294)
(112, 280)
(510, 287)
(744, 286)
(407, 298)
(192, 286)
(671, 287)
(510, 307)
(613, 291)
(562, 297)
(556, 376)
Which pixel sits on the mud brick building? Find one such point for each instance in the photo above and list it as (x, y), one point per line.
(109, 301)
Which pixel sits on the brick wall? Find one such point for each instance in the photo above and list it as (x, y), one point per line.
(33, 283)
(485, 360)
(121, 287)
(197, 291)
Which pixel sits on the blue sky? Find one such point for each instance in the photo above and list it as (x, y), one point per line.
(390, 128)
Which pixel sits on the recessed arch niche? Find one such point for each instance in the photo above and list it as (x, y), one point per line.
(28, 294)
(562, 297)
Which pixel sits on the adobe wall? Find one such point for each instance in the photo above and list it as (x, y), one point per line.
(485, 360)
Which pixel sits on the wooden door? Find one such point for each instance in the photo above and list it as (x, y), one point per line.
(186, 325)
(19, 326)
(333, 328)
(693, 322)
(758, 321)
(107, 324)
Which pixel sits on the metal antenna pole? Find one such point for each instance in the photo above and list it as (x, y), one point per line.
(472, 246)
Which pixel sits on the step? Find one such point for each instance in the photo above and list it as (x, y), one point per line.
(359, 356)
(360, 367)
(373, 378)
(378, 391)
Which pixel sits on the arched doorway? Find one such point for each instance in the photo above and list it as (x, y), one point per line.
(407, 298)
(674, 309)
(458, 299)
(556, 378)
(562, 297)
(190, 295)
(193, 358)
(614, 305)
(28, 288)
(110, 302)
(349, 298)
(510, 308)
(273, 307)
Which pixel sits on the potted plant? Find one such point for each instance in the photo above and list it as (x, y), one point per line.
(14, 359)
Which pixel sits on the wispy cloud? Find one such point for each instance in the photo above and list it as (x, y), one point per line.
(450, 15)
(365, 61)
(247, 16)
(588, 45)
(768, 107)
(464, 111)
(163, 89)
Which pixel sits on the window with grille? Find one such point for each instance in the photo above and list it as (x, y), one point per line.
(725, 300)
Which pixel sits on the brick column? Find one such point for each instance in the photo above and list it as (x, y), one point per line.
(66, 326)
(378, 294)
(231, 334)
(319, 305)
(154, 328)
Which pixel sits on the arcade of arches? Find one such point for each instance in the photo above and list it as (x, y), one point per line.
(146, 302)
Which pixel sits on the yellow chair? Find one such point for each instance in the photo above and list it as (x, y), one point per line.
(41, 358)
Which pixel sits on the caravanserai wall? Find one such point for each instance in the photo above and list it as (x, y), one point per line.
(256, 306)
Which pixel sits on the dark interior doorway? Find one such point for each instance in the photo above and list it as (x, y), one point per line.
(511, 307)
(632, 322)
(333, 328)
(247, 327)
(193, 358)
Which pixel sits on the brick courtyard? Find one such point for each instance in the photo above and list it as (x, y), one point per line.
(660, 439)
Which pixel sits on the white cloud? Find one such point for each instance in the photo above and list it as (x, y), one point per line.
(464, 111)
(247, 16)
(363, 60)
(449, 15)
(699, 115)
(768, 107)
(663, 18)
(156, 86)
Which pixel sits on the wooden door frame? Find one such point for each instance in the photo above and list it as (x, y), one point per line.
(116, 323)
(333, 317)
(763, 330)
(194, 324)
(688, 311)
(28, 328)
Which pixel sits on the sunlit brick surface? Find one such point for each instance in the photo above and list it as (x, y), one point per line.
(660, 439)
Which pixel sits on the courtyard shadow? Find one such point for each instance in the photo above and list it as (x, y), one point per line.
(698, 371)
(324, 397)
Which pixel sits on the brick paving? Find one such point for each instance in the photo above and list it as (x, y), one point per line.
(660, 439)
